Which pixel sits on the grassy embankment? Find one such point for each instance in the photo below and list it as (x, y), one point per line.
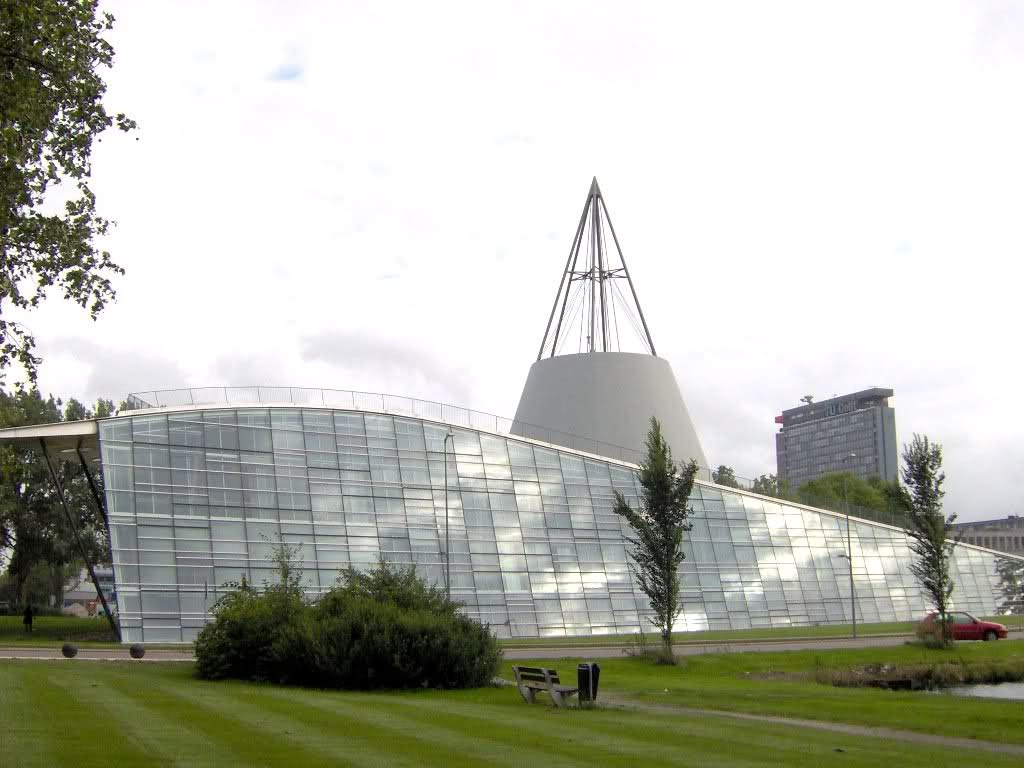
(160, 714)
(783, 683)
(47, 630)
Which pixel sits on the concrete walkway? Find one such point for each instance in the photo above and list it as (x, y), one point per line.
(512, 654)
(96, 654)
(694, 649)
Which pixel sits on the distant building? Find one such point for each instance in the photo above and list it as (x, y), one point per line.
(819, 437)
(81, 591)
(1005, 534)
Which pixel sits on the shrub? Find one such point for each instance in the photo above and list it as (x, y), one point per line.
(386, 628)
(390, 584)
(357, 642)
(248, 625)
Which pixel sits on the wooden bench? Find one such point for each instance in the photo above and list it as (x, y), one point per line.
(529, 680)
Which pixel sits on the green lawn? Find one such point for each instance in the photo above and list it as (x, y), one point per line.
(47, 630)
(781, 683)
(101, 714)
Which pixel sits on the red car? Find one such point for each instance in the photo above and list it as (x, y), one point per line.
(965, 627)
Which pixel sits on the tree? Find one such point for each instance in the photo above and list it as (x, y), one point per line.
(769, 485)
(931, 532)
(833, 489)
(1011, 585)
(33, 526)
(725, 476)
(658, 525)
(897, 500)
(51, 111)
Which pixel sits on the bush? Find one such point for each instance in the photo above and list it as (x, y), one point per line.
(386, 628)
(242, 640)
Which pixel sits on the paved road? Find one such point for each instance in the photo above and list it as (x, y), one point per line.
(515, 654)
(694, 649)
(689, 649)
(95, 654)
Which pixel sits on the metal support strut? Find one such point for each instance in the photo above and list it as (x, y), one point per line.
(78, 538)
(595, 314)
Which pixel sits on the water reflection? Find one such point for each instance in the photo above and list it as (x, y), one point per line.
(990, 691)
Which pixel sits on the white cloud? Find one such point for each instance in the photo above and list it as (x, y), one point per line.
(811, 198)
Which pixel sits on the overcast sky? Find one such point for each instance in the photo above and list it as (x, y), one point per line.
(812, 198)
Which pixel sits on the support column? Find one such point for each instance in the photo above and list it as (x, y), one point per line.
(81, 547)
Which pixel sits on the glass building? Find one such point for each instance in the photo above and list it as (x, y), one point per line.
(197, 496)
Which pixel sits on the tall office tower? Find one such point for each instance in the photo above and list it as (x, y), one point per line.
(852, 433)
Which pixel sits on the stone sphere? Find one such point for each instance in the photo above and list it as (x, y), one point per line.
(70, 650)
(137, 651)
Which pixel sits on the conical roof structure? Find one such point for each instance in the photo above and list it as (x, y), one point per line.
(596, 304)
(584, 391)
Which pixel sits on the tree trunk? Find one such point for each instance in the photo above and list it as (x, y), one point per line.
(19, 587)
(666, 628)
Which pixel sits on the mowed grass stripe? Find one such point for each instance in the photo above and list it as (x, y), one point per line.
(153, 714)
(540, 730)
(388, 747)
(607, 737)
(683, 736)
(978, 718)
(334, 737)
(56, 728)
(175, 729)
(22, 734)
(486, 739)
(664, 738)
(267, 737)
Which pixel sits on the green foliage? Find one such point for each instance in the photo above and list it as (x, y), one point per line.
(897, 498)
(386, 584)
(769, 485)
(248, 632)
(33, 526)
(45, 579)
(1011, 585)
(932, 535)
(835, 488)
(725, 476)
(873, 499)
(357, 642)
(51, 111)
(658, 526)
(385, 628)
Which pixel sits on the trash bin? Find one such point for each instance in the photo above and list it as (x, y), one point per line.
(587, 676)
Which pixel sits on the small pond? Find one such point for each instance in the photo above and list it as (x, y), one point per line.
(989, 691)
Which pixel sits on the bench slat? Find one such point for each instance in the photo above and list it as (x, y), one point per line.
(531, 679)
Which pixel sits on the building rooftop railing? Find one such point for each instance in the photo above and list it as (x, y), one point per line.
(443, 413)
(375, 401)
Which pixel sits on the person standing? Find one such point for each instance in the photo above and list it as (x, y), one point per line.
(27, 619)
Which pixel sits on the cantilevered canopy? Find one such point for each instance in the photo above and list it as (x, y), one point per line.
(59, 438)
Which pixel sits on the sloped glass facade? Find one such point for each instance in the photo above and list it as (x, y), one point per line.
(197, 499)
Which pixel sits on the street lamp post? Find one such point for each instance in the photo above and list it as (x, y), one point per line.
(447, 544)
(849, 549)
